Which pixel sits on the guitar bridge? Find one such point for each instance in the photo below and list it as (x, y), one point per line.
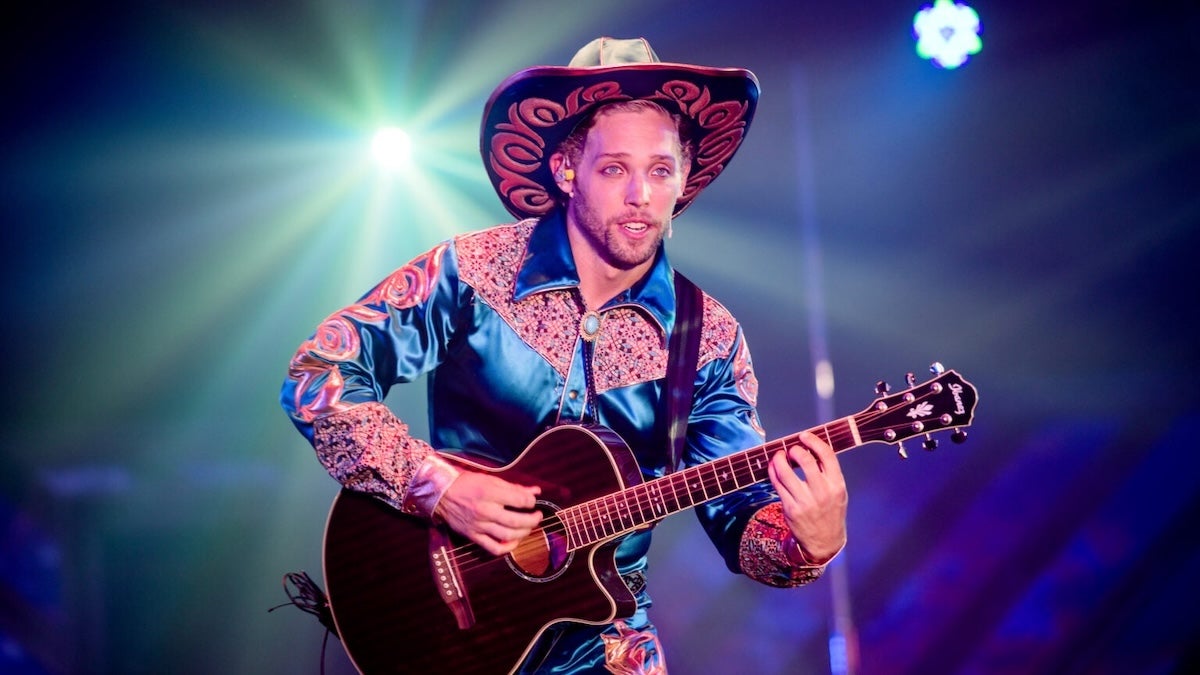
(446, 578)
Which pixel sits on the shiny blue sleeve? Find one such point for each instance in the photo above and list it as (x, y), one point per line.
(724, 420)
(395, 333)
(339, 377)
(747, 526)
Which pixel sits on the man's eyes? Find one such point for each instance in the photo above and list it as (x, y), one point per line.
(658, 172)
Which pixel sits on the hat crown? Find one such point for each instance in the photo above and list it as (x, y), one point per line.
(606, 51)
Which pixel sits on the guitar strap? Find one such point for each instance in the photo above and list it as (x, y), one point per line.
(683, 353)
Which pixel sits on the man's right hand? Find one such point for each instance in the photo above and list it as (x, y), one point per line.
(490, 511)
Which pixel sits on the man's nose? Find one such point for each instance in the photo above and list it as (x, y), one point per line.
(638, 191)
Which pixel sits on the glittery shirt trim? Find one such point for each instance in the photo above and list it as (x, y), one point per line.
(762, 554)
(366, 448)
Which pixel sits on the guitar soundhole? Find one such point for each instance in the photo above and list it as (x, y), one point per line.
(545, 553)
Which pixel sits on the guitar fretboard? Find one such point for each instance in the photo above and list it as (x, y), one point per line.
(620, 512)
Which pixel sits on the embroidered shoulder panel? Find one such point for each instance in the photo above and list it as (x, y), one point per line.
(629, 350)
(718, 331)
(548, 322)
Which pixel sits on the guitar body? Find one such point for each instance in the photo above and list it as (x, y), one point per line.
(384, 570)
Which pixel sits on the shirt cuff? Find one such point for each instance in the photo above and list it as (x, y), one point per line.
(429, 482)
(366, 449)
(764, 551)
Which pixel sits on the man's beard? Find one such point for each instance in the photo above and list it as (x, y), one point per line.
(606, 240)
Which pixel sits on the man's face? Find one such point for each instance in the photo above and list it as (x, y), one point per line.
(627, 181)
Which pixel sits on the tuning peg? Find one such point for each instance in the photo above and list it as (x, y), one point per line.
(959, 436)
(882, 387)
(911, 380)
(937, 368)
(930, 443)
(900, 449)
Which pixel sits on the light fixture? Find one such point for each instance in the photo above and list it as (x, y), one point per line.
(947, 33)
(392, 148)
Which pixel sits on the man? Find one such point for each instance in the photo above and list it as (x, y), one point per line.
(564, 317)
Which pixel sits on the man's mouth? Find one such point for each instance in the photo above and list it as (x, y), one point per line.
(634, 225)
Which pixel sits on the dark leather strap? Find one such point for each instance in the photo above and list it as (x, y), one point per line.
(683, 353)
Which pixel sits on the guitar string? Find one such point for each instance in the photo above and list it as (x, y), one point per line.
(595, 525)
(591, 518)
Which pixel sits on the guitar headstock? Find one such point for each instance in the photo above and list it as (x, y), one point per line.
(945, 402)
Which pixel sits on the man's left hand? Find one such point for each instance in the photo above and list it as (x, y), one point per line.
(814, 498)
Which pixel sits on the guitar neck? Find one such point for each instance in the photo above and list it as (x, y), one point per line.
(945, 402)
(629, 509)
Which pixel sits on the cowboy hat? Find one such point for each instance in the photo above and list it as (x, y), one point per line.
(532, 111)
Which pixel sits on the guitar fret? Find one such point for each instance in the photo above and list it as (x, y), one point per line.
(595, 525)
(629, 499)
(632, 500)
(604, 522)
(696, 486)
(689, 482)
(726, 476)
(578, 526)
(658, 502)
(567, 518)
(602, 518)
(673, 482)
(644, 503)
(627, 517)
(741, 469)
(758, 464)
(613, 508)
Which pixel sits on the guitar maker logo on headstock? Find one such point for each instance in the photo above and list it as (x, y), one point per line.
(956, 390)
(924, 409)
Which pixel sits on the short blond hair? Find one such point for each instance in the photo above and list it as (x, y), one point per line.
(572, 146)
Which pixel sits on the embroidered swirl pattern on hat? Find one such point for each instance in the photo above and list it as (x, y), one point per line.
(518, 150)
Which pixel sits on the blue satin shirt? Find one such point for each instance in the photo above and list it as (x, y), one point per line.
(495, 319)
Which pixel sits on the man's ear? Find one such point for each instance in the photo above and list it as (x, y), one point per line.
(563, 174)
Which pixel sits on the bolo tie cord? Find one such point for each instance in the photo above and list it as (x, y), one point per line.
(589, 400)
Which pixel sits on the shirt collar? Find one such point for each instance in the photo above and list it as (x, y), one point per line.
(549, 265)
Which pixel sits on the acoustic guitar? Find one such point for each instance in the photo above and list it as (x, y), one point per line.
(411, 597)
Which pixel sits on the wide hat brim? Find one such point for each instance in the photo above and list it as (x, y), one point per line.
(534, 110)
